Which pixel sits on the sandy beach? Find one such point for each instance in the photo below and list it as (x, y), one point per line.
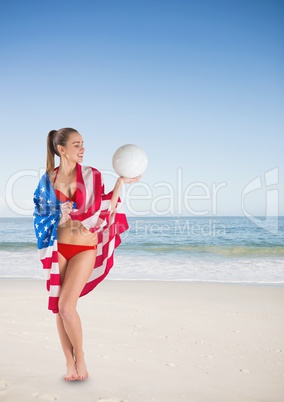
(147, 341)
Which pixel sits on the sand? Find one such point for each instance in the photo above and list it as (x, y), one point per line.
(147, 342)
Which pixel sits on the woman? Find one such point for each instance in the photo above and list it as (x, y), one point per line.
(77, 228)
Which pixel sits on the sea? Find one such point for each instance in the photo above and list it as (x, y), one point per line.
(172, 248)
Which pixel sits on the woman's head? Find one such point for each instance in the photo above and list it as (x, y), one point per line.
(63, 142)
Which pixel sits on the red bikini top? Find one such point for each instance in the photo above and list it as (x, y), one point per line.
(61, 196)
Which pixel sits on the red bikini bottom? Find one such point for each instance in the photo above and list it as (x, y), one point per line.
(69, 250)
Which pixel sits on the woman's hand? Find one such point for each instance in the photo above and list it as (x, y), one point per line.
(128, 180)
(66, 208)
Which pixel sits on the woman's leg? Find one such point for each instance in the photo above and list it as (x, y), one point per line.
(77, 273)
(71, 373)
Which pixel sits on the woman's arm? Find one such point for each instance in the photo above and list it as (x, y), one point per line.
(117, 188)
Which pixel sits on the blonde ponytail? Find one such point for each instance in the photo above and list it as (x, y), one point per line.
(50, 151)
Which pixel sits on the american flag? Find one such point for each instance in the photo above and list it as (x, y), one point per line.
(92, 208)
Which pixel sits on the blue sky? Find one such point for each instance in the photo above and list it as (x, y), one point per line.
(197, 84)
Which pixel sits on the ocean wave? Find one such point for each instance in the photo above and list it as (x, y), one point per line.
(177, 249)
(18, 246)
(226, 251)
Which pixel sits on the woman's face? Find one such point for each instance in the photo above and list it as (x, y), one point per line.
(73, 150)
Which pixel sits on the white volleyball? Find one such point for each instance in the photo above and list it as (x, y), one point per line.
(129, 161)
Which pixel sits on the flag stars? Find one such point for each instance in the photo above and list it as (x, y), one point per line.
(42, 189)
(40, 234)
(42, 220)
(45, 228)
(53, 221)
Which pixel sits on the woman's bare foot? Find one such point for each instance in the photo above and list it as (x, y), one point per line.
(82, 373)
(71, 373)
